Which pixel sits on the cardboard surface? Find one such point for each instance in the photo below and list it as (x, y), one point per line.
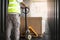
(35, 22)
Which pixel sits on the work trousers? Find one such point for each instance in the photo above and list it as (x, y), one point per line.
(13, 22)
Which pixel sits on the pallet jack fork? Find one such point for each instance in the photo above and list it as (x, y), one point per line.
(31, 29)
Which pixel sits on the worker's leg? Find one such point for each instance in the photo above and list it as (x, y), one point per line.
(16, 22)
(9, 28)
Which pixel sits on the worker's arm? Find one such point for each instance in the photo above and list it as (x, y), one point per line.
(23, 4)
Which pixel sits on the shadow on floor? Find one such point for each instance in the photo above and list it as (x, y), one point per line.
(32, 38)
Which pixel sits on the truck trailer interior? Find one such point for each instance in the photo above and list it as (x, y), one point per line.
(40, 29)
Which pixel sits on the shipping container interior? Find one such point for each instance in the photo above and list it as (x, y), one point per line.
(42, 19)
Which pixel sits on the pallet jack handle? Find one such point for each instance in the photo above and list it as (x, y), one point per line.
(27, 34)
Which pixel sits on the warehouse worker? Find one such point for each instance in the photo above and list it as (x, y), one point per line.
(13, 18)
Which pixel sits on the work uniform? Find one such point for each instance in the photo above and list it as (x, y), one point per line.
(13, 19)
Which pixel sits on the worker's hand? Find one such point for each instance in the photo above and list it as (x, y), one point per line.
(23, 5)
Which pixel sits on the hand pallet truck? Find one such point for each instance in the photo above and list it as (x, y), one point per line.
(27, 31)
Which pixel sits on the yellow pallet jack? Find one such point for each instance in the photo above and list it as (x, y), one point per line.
(28, 29)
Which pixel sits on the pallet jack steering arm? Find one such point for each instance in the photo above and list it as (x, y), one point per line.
(27, 34)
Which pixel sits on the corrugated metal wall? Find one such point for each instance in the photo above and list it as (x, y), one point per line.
(0, 15)
(52, 19)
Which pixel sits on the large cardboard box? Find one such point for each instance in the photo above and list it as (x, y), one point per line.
(34, 22)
